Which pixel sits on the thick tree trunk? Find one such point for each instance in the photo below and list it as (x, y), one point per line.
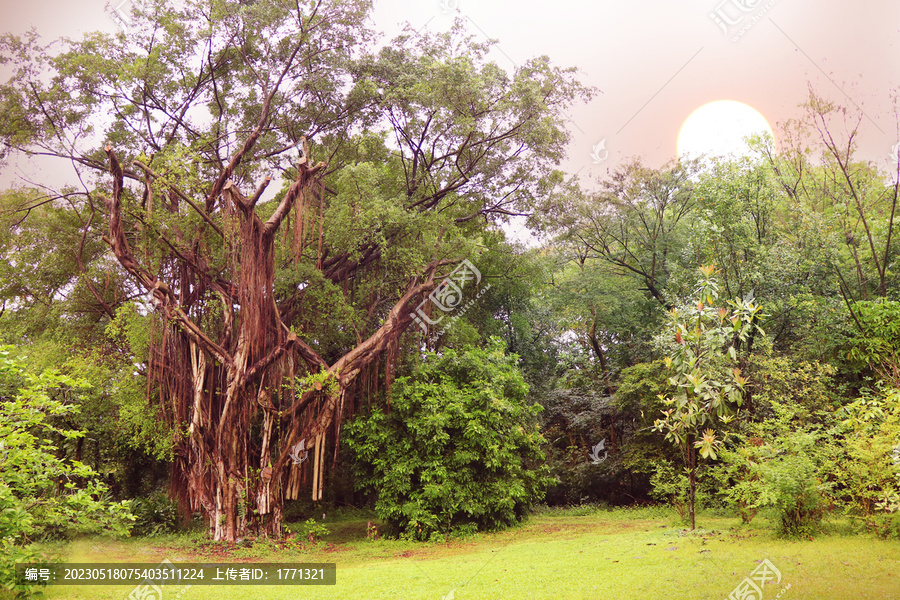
(228, 384)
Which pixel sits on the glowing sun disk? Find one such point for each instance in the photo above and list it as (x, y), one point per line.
(719, 128)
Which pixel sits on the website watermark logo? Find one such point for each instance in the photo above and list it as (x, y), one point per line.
(447, 298)
(151, 591)
(600, 153)
(595, 452)
(299, 452)
(449, 6)
(751, 588)
(737, 17)
(893, 156)
(121, 14)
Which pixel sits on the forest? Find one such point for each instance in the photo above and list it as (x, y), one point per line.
(281, 281)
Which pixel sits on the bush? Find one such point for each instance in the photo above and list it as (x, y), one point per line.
(738, 476)
(791, 482)
(42, 495)
(775, 465)
(459, 447)
(780, 457)
(312, 531)
(154, 515)
(577, 416)
(574, 417)
(885, 525)
(869, 474)
(637, 402)
(670, 485)
(808, 387)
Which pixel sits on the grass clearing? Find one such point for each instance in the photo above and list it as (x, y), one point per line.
(577, 553)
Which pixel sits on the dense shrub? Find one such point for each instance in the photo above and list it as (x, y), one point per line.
(155, 514)
(773, 460)
(782, 464)
(868, 475)
(42, 495)
(459, 447)
(670, 485)
(791, 482)
(575, 419)
(738, 476)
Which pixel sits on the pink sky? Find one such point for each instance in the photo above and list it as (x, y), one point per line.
(654, 61)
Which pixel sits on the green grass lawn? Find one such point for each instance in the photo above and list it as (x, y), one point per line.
(603, 555)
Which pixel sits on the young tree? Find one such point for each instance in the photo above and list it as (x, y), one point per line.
(702, 340)
(200, 103)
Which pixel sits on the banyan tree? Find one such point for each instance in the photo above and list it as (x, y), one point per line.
(226, 369)
(281, 288)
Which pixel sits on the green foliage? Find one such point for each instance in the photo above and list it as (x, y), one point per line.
(780, 458)
(134, 326)
(876, 340)
(43, 293)
(440, 84)
(320, 381)
(869, 475)
(140, 428)
(573, 419)
(857, 210)
(670, 484)
(702, 364)
(609, 313)
(791, 481)
(702, 341)
(788, 392)
(760, 244)
(739, 477)
(459, 447)
(736, 225)
(637, 223)
(598, 323)
(637, 401)
(156, 514)
(313, 531)
(783, 463)
(42, 495)
(806, 386)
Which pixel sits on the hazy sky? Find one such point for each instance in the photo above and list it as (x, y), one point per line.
(654, 61)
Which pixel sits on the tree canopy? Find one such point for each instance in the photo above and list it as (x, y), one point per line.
(174, 132)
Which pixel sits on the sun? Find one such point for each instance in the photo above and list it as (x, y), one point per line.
(719, 129)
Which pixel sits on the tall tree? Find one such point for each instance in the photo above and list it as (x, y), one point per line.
(762, 243)
(817, 168)
(636, 222)
(272, 316)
